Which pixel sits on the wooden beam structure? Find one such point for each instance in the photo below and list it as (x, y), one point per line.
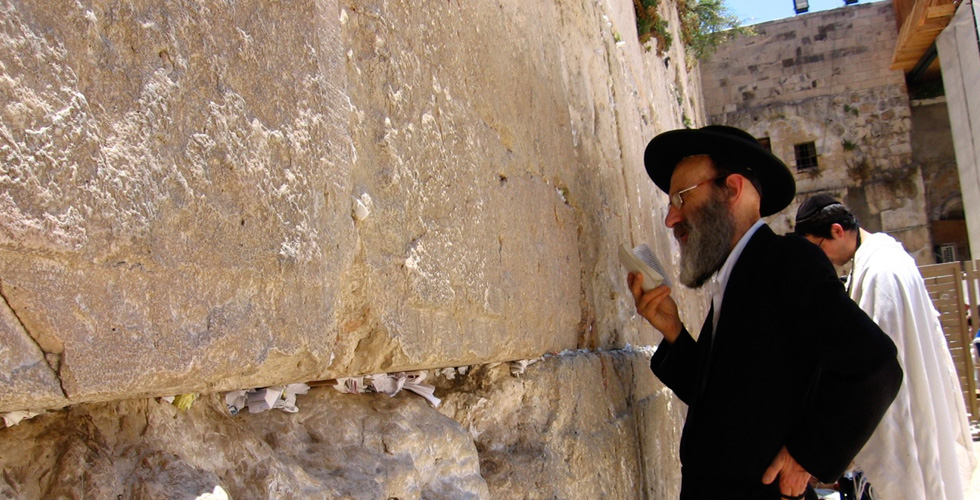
(922, 22)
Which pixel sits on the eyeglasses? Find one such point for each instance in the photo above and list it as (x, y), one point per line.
(816, 240)
(678, 201)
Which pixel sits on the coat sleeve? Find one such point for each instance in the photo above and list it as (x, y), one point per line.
(676, 366)
(858, 376)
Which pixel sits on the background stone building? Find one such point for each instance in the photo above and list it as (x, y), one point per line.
(820, 89)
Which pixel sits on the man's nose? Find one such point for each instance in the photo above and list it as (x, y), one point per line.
(673, 216)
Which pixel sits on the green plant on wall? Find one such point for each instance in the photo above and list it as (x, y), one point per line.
(705, 24)
(649, 25)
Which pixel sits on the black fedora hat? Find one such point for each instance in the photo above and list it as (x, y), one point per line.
(742, 152)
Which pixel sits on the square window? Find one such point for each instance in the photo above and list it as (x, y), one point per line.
(806, 155)
(764, 142)
(947, 252)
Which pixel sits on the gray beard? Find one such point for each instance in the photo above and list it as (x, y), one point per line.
(710, 232)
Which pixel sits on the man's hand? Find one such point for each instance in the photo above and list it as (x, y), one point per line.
(792, 477)
(656, 306)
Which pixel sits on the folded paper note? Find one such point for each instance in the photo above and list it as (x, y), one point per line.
(13, 418)
(390, 384)
(265, 398)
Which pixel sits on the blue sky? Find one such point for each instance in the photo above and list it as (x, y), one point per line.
(760, 11)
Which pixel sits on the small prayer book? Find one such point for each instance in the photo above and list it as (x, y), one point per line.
(642, 260)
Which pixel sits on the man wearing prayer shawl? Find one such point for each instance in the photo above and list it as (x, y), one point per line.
(922, 448)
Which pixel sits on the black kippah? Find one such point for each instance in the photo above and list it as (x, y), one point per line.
(819, 212)
(812, 207)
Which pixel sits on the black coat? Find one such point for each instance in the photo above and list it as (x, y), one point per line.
(795, 363)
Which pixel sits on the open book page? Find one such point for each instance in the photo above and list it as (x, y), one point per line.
(641, 259)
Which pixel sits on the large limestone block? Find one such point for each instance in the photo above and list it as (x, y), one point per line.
(174, 205)
(337, 446)
(660, 420)
(470, 252)
(575, 426)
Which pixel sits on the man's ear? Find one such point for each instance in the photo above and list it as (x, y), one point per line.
(836, 231)
(735, 183)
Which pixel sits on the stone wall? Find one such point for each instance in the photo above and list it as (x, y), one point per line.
(957, 47)
(576, 426)
(933, 151)
(824, 78)
(205, 196)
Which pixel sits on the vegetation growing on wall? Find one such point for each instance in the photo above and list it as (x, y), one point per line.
(649, 25)
(704, 25)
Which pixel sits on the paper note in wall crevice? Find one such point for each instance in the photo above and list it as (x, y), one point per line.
(642, 260)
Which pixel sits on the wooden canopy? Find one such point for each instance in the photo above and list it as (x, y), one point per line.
(920, 22)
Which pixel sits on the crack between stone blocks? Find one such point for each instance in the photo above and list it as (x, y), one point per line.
(56, 372)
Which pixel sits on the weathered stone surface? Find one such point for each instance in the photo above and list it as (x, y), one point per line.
(206, 196)
(337, 446)
(178, 184)
(901, 194)
(176, 190)
(471, 236)
(934, 151)
(574, 426)
(25, 374)
(530, 436)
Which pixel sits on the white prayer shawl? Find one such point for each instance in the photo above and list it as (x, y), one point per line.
(922, 449)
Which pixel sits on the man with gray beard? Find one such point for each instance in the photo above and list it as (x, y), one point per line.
(705, 250)
(788, 377)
